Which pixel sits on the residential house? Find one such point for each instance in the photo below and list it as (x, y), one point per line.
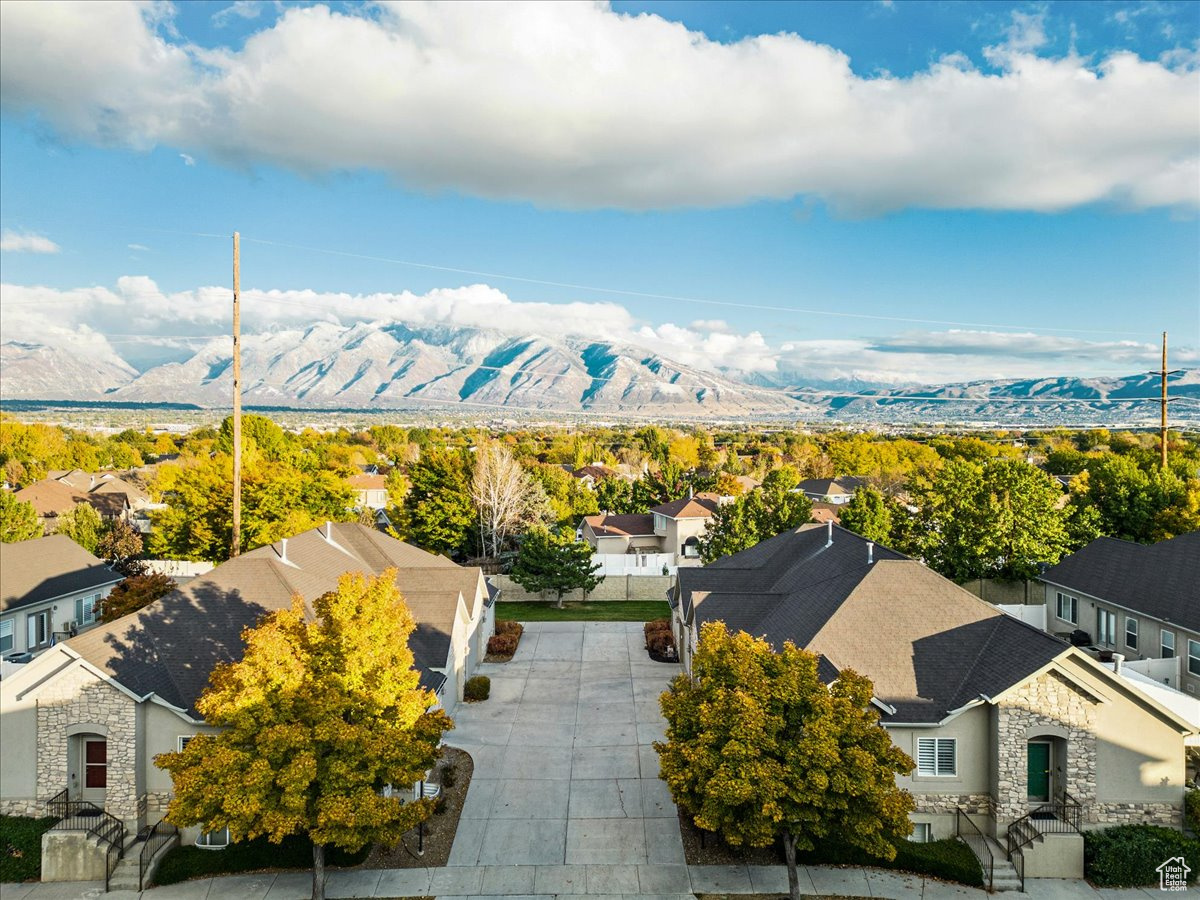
(59, 493)
(592, 474)
(671, 531)
(1141, 601)
(50, 589)
(1002, 719)
(370, 490)
(836, 491)
(90, 714)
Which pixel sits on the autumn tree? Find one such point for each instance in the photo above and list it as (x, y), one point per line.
(772, 509)
(83, 525)
(868, 514)
(317, 718)
(122, 546)
(758, 748)
(555, 562)
(18, 520)
(133, 593)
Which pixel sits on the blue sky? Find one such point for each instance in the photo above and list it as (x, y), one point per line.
(883, 192)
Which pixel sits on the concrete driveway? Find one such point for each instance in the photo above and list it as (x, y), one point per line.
(565, 773)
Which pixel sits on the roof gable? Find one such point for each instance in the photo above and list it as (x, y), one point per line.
(44, 568)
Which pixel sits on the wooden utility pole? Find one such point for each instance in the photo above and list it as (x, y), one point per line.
(1164, 403)
(236, 547)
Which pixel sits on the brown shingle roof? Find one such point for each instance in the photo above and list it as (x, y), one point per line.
(368, 482)
(44, 568)
(172, 645)
(629, 525)
(50, 497)
(929, 646)
(698, 507)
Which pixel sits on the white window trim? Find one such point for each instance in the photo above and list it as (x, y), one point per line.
(937, 770)
(922, 833)
(1193, 657)
(213, 844)
(1162, 644)
(1064, 600)
(8, 629)
(1106, 633)
(182, 741)
(1131, 621)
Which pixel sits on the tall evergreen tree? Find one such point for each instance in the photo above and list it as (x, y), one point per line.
(555, 562)
(438, 514)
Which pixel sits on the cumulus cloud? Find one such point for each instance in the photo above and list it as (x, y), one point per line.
(239, 9)
(26, 242)
(573, 105)
(138, 321)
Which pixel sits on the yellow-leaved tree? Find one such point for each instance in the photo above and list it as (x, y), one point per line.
(758, 748)
(317, 718)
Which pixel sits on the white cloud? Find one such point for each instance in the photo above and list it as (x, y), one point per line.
(147, 325)
(187, 160)
(140, 247)
(572, 105)
(26, 242)
(240, 9)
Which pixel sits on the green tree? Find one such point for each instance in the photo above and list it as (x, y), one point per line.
(83, 525)
(133, 593)
(763, 513)
(992, 519)
(438, 513)
(758, 748)
(555, 562)
(1137, 501)
(614, 495)
(317, 718)
(18, 520)
(869, 514)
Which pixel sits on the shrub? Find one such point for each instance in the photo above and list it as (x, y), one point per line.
(1129, 855)
(295, 852)
(502, 644)
(660, 643)
(948, 859)
(478, 687)
(21, 847)
(654, 626)
(509, 627)
(1191, 810)
(449, 776)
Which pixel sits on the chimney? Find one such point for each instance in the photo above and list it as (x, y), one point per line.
(870, 552)
(1118, 662)
(691, 492)
(328, 530)
(283, 549)
(829, 533)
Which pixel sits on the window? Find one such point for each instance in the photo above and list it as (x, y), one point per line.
(39, 629)
(922, 833)
(7, 636)
(95, 764)
(86, 609)
(1167, 644)
(213, 840)
(1106, 627)
(1068, 608)
(937, 757)
(1194, 657)
(1131, 632)
(660, 523)
(183, 740)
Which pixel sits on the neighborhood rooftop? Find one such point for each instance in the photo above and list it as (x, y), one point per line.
(929, 646)
(44, 568)
(170, 647)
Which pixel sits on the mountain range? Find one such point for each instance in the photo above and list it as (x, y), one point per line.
(381, 367)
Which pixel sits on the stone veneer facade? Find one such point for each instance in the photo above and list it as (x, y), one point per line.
(1046, 706)
(949, 804)
(75, 698)
(1169, 814)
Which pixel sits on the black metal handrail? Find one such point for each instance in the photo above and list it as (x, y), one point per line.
(83, 815)
(974, 838)
(1017, 858)
(160, 834)
(1061, 816)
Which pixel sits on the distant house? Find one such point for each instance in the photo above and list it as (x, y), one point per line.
(50, 589)
(1009, 725)
(61, 491)
(90, 714)
(370, 490)
(592, 474)
(836, 491)
(673, 529)
(1139, 600)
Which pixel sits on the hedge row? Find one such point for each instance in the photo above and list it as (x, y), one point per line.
(949, 860)
(183, 863)
(1129, 855)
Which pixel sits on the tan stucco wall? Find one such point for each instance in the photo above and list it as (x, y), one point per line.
(62, 612)
(971, 732)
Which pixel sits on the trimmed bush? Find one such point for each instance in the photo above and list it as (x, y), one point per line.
(502, 644)
(21, 847)
(660, 643)
(295, 852)
(655, 626)
(949, 859)
(1191, 810)
(1129, 855)
(509, 627)
(478, 687)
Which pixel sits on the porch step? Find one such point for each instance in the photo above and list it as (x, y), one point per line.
(1004, 874)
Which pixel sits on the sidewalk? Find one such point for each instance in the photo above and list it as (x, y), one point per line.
(662, 882)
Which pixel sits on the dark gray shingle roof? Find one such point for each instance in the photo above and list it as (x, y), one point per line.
(170, 647)
(929, 646)
(1160, 580)
(44, 568)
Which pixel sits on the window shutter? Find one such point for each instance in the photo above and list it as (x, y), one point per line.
(183, 740)
(926, 757)
(946, 762)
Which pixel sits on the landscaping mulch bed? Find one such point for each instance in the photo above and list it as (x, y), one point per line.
(713, 851)
(439, 829)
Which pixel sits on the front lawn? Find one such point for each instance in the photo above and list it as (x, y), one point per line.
(589, 611)
(21, 847)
